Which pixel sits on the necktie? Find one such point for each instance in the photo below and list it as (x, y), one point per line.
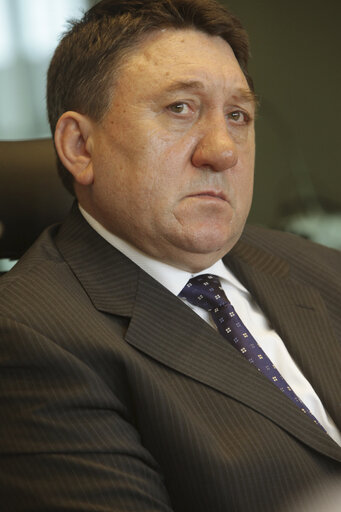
(206, 292)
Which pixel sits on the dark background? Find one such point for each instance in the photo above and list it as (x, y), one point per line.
(295, 63)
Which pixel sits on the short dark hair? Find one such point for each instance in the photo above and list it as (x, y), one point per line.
(84, 66)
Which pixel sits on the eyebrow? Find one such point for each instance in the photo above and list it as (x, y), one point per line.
(246, 95)
(179, 85)
(241, 93)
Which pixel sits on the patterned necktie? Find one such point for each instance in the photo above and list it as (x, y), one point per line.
(206, 292)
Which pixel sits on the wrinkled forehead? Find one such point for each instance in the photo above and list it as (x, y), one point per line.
(172, 58)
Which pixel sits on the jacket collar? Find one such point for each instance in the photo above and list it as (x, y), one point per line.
(167, 330)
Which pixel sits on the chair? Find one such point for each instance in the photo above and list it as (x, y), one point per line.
(31, 194)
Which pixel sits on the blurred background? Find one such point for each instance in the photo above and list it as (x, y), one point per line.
(295, 63)
(296, 68)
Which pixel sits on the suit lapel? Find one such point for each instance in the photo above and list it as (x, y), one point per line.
(298, 314)
(167, 330)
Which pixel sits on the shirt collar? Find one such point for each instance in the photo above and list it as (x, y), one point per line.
(172, 278)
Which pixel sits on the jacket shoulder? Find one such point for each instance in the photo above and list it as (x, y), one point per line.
(298, 251)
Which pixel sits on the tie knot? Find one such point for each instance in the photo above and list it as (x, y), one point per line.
(204, 291)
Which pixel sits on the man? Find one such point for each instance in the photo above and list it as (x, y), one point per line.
(117, 394)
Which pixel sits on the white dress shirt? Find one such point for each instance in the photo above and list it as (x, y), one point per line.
(175, 279)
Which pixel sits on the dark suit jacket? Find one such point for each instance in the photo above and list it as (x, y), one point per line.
(115, 396)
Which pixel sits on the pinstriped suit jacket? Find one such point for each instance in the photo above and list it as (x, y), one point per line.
(115, 396)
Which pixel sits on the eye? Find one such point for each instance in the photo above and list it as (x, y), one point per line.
(179, 108)
(239, 117)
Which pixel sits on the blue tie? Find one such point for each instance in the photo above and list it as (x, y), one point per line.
(206, 292)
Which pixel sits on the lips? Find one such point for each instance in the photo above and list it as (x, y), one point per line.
(210, 193)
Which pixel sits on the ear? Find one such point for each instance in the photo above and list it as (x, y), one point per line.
(73, 143)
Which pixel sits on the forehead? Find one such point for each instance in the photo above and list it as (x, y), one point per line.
(169, 57)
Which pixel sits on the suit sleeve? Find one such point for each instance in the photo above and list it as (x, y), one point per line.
(66, 441)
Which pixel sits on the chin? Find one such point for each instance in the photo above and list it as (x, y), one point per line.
(213, 241)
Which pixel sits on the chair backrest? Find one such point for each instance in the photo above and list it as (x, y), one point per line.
(31, 194)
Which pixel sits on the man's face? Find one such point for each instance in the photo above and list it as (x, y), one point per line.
(173, 157)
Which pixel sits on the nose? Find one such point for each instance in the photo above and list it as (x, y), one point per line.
(216, 149)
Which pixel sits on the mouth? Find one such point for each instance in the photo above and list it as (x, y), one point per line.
(210, 194)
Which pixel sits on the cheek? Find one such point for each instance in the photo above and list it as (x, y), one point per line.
(160, 167)
(246, 164)
(242, 183)
(244, 188)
